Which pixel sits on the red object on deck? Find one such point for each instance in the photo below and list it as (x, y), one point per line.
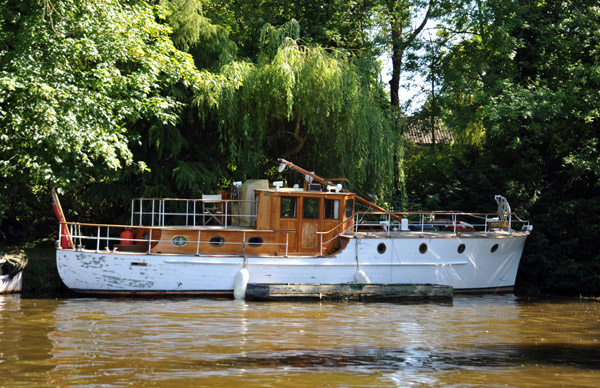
(127, 237)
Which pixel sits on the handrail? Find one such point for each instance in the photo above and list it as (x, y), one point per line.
(190, 228)
(335, 227)
(220, 211)
(452, 222)
(436, 212)
(193, 199)
(102, 233)
(341, 224)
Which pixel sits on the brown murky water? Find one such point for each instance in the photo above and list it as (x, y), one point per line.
(474, 341)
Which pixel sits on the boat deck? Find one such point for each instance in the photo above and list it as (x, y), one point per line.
(431, 235)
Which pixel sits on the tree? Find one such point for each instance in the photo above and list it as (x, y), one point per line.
(194, 33)
(305, 103)
(75, 76)
(339, 24)
(398, 33)
(524, 75)
(543, 111)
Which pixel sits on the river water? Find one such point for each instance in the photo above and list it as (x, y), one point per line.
(492, 341)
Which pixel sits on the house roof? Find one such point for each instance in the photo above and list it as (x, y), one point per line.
(419, 132)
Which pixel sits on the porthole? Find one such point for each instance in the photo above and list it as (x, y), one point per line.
(217, 241)
(494, 248)
(423, 248)
(461, 248)
(255, 241)
(381, 248)
(179, 241)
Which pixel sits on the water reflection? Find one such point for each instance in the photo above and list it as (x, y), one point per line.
(492, 340)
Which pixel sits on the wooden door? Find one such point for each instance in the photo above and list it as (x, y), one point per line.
(288, 220)
(309, 240)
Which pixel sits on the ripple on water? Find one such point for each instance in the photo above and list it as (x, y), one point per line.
(113, 342)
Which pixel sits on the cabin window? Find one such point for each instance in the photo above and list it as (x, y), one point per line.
(217, 241)
(349, 207)
(311, 208)
(179, 241)
(255, 241)
(332, 209)
(288, 207)
(494, 248)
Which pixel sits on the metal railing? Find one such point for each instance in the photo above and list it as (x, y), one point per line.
(336, 235)
(108, 238)
(437, 221)
(191, 212)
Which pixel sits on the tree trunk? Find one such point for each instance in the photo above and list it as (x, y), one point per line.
(399, 44)
(397, 53)
(299, 139)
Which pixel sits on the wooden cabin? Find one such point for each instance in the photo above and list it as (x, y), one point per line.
(262, 220)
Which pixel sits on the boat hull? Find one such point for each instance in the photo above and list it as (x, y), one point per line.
(467, 263)
(11, 284)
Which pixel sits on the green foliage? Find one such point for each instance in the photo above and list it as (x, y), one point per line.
(525, 77)
(194, 33)
(93, 92)
(75, 76)
(271, 38)
(546, 116)
(336, 23)
(41, 275)
(305, 104)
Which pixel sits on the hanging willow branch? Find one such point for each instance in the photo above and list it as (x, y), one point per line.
(306, 103)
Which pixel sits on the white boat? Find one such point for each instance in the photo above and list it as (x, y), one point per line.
(262, 232)
(11, 271)
(11, 284)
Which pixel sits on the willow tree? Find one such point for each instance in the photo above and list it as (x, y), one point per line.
(196, 34)
(304, 103)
